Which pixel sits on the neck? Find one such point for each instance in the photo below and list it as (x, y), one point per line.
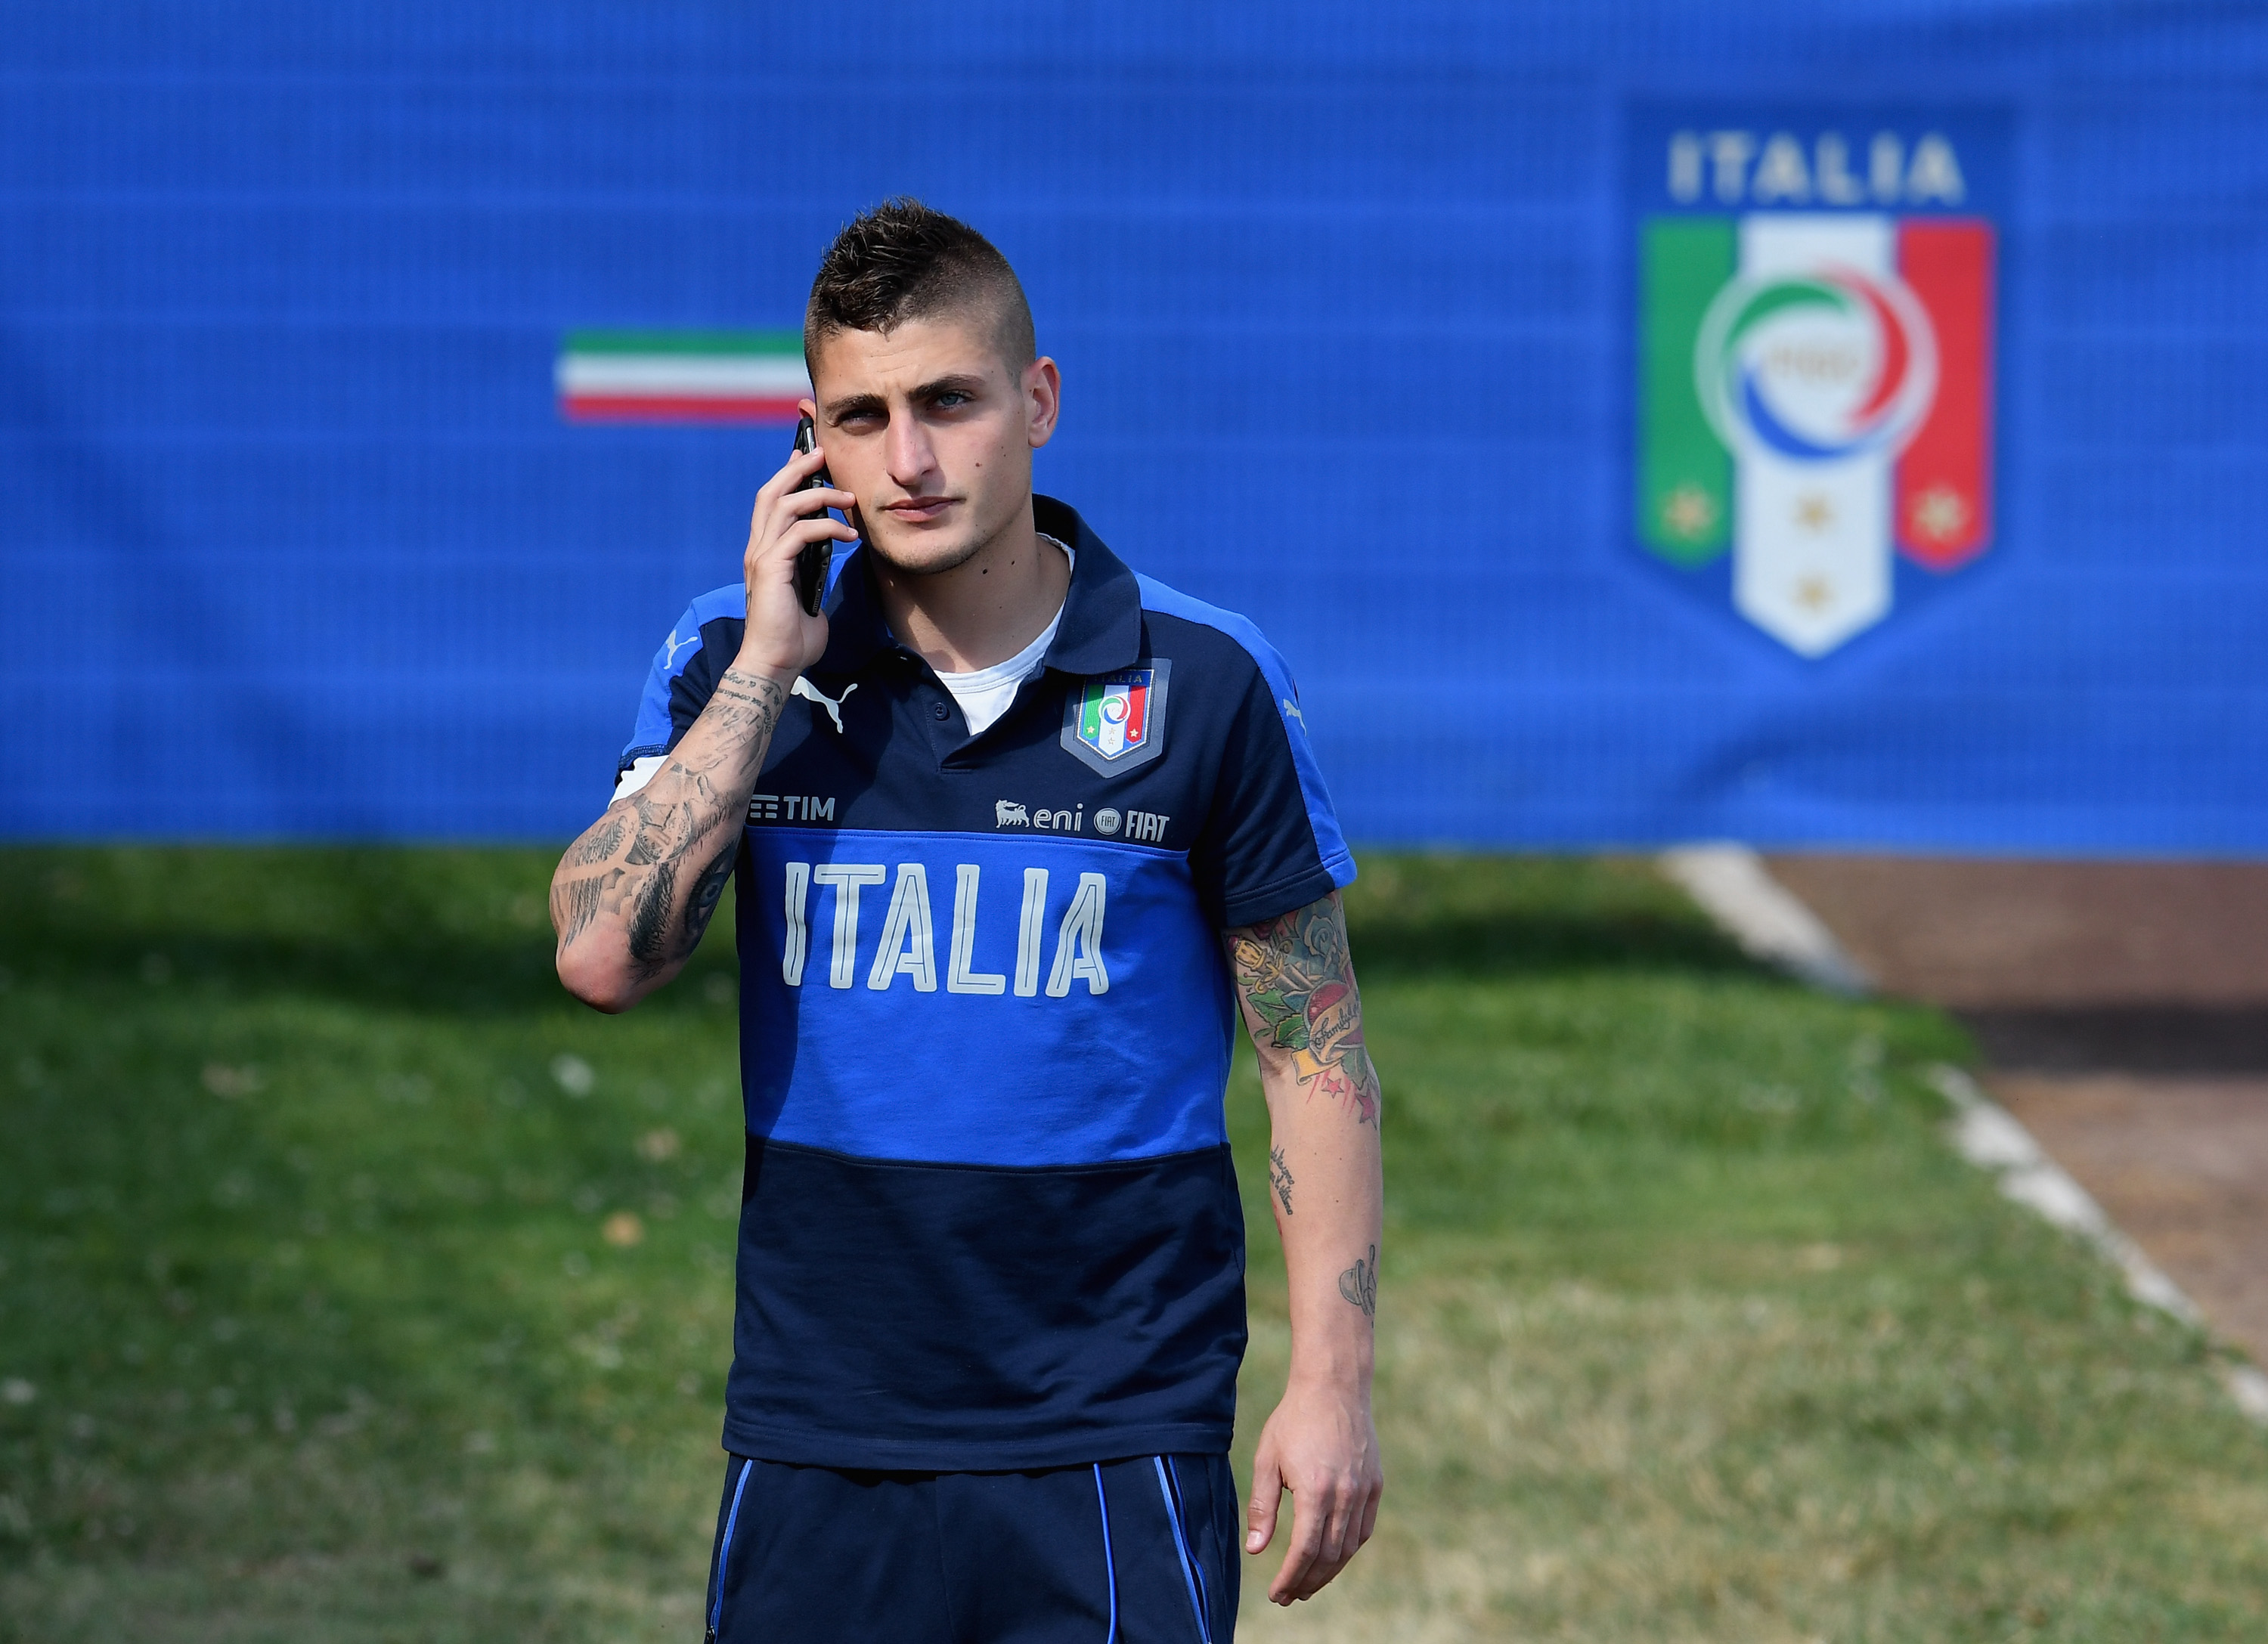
(985, 609)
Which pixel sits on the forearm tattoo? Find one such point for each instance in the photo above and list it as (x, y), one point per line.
(1279, 1177)
(1360, 1283)
(1297, 981)
(687, 835)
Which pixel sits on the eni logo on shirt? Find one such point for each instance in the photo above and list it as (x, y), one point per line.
(908, 945)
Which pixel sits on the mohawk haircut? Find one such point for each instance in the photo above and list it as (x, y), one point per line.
(901, 260)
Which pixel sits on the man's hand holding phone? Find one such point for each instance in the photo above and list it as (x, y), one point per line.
(790, 518)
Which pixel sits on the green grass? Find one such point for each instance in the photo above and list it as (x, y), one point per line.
(1691, 1328)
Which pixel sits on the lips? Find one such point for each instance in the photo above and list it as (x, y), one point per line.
(918, 509)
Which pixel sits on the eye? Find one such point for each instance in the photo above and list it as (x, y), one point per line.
(951, 399)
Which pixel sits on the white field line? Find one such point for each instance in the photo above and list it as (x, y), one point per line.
(1989, 1136)
(1733, 885)
(2250, 1388)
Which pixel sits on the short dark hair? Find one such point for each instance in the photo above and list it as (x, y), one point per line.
(902, 260)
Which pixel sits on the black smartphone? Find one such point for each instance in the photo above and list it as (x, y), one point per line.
(811, 563)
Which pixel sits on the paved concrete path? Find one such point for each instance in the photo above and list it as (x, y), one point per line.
(2123, 1012)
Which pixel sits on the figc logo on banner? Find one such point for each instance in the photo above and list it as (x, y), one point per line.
(1815, 376)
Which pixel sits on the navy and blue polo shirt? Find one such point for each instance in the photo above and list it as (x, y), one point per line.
(989, 1220)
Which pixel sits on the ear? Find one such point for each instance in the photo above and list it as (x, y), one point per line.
(1042, 390)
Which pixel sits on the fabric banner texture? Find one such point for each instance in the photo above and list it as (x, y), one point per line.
(1817, 424)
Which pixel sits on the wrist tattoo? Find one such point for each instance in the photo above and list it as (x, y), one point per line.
(750, 706)
(1279, 1177)
(1297, 981)
(1359, 1284)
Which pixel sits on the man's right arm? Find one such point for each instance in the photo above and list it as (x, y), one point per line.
(633, 896)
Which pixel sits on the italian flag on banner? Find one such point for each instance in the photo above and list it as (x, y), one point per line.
(1814, 393)
(682, 376)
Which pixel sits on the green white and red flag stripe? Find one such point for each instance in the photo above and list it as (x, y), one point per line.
(658, 375)
(1945, 474)
(1814, 392)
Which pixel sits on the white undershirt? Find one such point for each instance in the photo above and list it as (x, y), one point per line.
(984, 694)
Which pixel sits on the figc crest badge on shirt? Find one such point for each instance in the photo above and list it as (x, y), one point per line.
(1116, 722)
(1816, 316)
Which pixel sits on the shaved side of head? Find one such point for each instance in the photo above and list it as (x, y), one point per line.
(902, 260)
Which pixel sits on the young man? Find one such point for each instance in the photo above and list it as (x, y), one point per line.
(1015, 832)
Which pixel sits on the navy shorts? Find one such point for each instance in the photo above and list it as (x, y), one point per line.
(817, 1554)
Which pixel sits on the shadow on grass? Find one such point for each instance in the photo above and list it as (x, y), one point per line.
(462, 932)
(1475, 917)
(467, 932)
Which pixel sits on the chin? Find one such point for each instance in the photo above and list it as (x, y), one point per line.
(927, 556)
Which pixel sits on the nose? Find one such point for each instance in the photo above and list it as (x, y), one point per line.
(907, 453)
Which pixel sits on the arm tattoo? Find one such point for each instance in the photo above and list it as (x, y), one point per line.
(650, 910)
(1297, 981)
(1279, 1177)
(575, 903)
(750, 706)
(707, 891)
(646, 849)
(601, 842)
(1359, 1284)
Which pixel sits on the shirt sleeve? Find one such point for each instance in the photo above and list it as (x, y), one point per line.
(1271, 843)
(679, 684)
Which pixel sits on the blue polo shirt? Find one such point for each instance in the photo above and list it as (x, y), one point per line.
(989, 1220)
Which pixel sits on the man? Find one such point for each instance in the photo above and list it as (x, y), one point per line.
(1015, 830)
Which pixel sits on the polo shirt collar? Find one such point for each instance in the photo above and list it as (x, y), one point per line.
(1101, 626)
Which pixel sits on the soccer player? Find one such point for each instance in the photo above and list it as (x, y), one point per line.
(1017, 832)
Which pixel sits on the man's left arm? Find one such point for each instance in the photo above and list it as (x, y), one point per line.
(1295, 983)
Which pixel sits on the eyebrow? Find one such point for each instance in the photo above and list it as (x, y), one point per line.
(957, 384)
(869, 405)
(856, 405)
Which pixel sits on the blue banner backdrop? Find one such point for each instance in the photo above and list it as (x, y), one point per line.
(294, 541)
